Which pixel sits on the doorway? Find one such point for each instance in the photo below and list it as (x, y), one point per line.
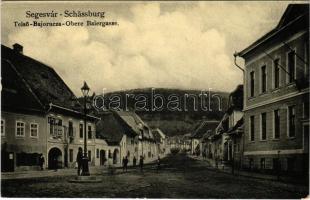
(54, 158)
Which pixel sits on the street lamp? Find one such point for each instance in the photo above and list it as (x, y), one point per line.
(85, 169)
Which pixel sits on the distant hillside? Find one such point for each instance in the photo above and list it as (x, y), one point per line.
(174, 111)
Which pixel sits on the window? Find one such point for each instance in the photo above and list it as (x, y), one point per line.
(263, 79)
(89, 156)
(262, 163)
(276, 73)
(51, 122)
(252, 84)
(70, 155)
(34, 129)
(97, 153)
(236, 147)
(291, 121)
(89, 133)
(81, 130)
(55, 125)
(20, 128)
(291, 66)
(70, 129)
(276, 124)
(263, 127)
(2, 127)
(252, 128)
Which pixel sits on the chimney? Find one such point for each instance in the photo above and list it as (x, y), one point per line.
(18, 48)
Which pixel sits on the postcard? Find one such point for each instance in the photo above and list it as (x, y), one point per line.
(155, 99)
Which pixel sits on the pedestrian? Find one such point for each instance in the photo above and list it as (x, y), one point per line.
(125, 163)
(41, 161)
(134, 161)
(79, 158)
(158, 163)
(141, 163)
(55, 161)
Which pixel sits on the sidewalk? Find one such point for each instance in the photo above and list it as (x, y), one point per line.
(228, 169)
(94, 170)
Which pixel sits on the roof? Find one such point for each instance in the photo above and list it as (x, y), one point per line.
(293, 13)
(223, 125)
(136, 123)
(235, 102)
(38, 85)
(112, 128)
(158, 134)
(115, 124)
(238, 128)
(205, 127)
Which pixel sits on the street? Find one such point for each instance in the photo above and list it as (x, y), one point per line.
(179, 177)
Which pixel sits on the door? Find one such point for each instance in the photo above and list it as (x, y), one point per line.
(102, 157)
(7, 161)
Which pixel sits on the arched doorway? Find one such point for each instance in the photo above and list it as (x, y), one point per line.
(115, 156)
(54, 158)
(102, 157)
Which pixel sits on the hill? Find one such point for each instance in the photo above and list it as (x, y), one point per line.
(175, 111)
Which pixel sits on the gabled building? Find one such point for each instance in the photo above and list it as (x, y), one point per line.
(197, 146)
(226, 142)
(161, 141)
(39, 115)
(126, 135)
(276, 96)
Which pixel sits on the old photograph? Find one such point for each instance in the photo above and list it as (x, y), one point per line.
(155, 99)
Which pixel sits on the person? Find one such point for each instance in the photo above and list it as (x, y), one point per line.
(55, 161)
(41, 161)
(134, 161)
(79, 158)
(141, 163)
(158, 163)
(125, 163)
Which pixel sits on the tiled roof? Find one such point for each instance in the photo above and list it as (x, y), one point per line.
(42, 83)
(15, 95)
(238, 126)
(136, 123)
(235, 102)
(114, 124)
(205, 127)
(294, 12)
(111, 127)
(158, 134)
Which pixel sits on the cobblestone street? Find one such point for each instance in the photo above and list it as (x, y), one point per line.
(179, 177)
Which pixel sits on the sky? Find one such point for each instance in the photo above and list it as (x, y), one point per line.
(186, 45)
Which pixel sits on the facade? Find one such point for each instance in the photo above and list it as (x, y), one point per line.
(40, 115)
(161, 141)
(276, 96)
(198, 145)
(227, 141)
(126, 135)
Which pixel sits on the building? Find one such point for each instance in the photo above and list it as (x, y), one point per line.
(276, 96)
(226, 141)
(161, 141)
(216, 149)
(126, 135)
(197, 137)
(39, 115)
